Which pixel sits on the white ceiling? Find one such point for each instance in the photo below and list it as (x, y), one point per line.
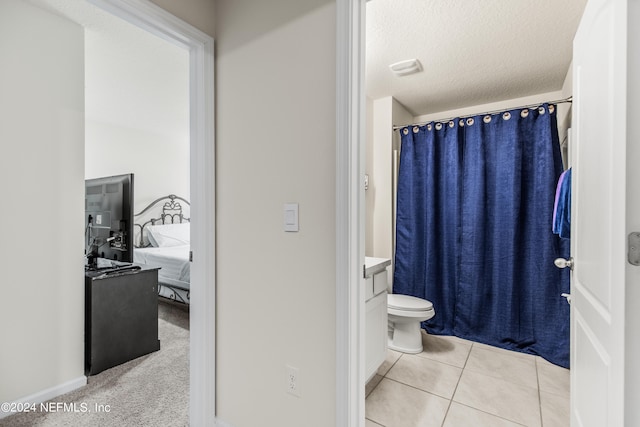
(472, 51)
(132, 78)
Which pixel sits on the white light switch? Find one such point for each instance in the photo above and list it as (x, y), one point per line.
(291, 217)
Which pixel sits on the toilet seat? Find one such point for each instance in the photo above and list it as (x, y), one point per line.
(408, 303)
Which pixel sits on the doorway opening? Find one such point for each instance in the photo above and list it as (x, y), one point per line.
(198, 49)
(351, 65)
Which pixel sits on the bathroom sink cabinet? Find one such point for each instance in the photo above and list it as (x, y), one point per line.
(375, 319)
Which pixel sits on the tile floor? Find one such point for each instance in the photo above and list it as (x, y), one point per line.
(459, 383)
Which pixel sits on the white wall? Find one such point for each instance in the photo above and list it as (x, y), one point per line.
(41, 110)
(137, 108)
(379, 193)
(275, 63)
(369, 195)
(387, 112)
(160, 163)
(199, 13)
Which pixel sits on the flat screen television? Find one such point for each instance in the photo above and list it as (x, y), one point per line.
(109, 218)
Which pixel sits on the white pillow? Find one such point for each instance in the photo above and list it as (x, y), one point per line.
(162, 236)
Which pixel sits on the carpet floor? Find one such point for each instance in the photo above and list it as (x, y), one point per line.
(152, 390)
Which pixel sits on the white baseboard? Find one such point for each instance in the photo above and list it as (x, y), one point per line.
(50, 393)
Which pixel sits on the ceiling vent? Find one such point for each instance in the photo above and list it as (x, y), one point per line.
(404, 68)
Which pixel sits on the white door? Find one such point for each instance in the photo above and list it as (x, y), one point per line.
(598, 229)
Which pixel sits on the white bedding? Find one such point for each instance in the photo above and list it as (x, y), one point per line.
(173, 260)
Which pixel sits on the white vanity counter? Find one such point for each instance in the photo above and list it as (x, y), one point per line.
(375, 265)
(375, 274)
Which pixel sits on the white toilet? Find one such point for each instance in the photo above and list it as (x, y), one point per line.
(405, 313)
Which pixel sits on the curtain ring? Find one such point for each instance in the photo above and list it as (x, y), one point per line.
(429, 126)
(506, 115)
(541, 110)
(461, 122)
(551, 109)
(487, 119)
(416, 129)
(451, 124)
(524, 113)
(470, 121)
(438, 126)
(405, 131)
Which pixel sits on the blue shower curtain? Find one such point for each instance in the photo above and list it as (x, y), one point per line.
(474, 231)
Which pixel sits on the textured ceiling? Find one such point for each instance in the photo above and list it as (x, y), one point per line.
(132, 78)
(472, 51)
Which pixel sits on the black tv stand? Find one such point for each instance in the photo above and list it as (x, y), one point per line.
(102, 264)
(121, 315)
(114, 269)
(117, 270)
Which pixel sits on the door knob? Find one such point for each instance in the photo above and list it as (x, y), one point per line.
(564, 263)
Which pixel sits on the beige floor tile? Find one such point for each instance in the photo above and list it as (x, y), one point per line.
(369, 423)
(450, 338)
(445, 349)
(543, 361)
(552, 378)
(464, 416)
(373, 382)
(504, 351)
(503, 365)
(390, 359)
(502, 398)
(555, 410)
(426, 374)
(392, 404)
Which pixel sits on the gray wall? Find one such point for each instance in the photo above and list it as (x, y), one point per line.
(275, 63)
(199, 13)
(42, 170)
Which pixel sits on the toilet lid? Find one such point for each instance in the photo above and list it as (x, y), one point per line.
(408, 303)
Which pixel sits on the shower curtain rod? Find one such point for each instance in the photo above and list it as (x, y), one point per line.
(559, 101)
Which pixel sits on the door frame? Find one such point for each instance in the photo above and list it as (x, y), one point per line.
(350, 119)
(202, 361)
(350, 211)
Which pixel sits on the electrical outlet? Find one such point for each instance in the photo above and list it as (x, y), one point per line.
(293, 381)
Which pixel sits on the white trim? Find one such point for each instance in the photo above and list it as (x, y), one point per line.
(350, 128)
(48, 394)
(203, 296)
(159, 22)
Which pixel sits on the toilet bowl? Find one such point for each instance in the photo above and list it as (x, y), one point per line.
(405, 313)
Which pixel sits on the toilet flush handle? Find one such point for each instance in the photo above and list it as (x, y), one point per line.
(564, 263)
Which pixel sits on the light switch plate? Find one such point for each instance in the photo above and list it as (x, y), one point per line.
(291, 217)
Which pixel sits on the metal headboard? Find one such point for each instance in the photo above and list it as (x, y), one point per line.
(171, 213)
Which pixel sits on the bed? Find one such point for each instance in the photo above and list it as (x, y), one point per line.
(162, 239)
